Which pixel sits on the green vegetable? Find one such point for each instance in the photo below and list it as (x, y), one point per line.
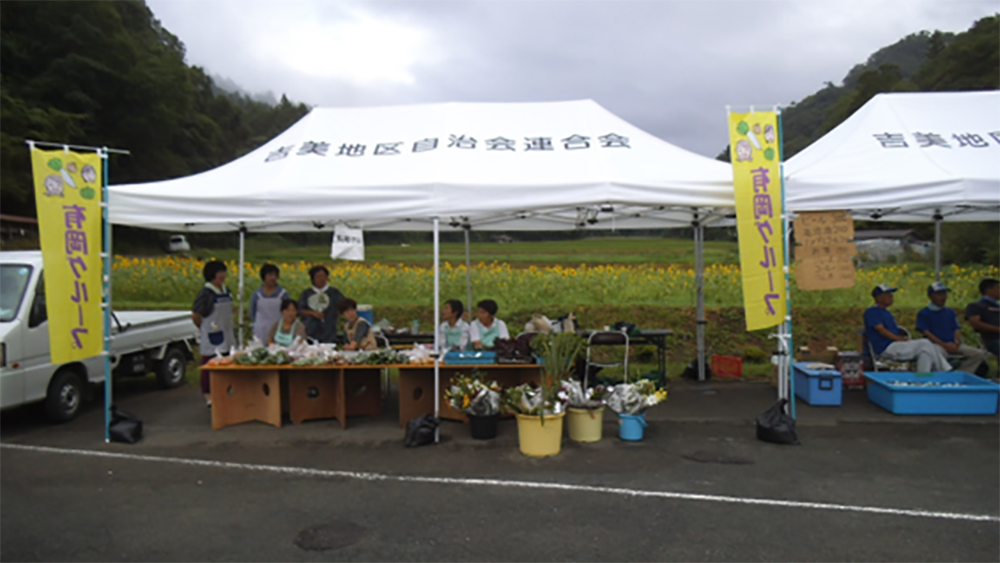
(55, 164)
(742, 128)
(88, 193)
(769, 153)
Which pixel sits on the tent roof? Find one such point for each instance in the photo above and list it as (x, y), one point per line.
(497, 166)
(906, 157)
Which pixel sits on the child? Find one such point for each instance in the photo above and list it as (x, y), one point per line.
(487, 327)
(288, 328)
(358, 331)
(454, 332)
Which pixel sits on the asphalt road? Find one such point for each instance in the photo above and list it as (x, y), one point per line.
(56, 505)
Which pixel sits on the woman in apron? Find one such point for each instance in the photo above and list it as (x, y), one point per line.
(487, 327)
(454, 330)
(265, 303)
(288, 328)
(358, 331)
(212, 313)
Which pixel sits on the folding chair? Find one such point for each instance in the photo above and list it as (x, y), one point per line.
(871, 361)
(606, 338)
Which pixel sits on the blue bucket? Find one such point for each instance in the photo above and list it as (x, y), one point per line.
(630, 426)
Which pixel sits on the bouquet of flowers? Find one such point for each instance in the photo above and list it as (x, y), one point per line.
(580, 398)
(472, 395)
(634, 398)
(535, 401)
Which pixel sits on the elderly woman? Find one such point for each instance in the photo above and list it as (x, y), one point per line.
(318, 306)
(358, 332)
(288, 328)
(266, 302)
(212, 313)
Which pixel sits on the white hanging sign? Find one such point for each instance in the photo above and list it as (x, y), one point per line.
(348, 243)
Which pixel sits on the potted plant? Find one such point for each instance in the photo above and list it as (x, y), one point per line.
(479, 400)
(540, 410)
(630, 401)
(584, 411)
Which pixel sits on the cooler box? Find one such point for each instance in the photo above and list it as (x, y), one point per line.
(817, 385)
(470, 358)
(365, 312)
(950, 392)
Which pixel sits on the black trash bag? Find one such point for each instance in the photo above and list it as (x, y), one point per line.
(691, 371)
(420, 431)
(774, 426)
(125, 427)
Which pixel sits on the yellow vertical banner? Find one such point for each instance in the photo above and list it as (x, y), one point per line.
(754, 150)
(68, 199)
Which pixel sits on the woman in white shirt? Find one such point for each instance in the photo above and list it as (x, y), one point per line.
(454, 331)
(487, 327)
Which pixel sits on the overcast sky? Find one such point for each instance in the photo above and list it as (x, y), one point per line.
(669, 67)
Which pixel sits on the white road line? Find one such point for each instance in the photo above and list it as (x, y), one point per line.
(367, 476)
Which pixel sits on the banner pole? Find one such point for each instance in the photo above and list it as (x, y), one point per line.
(108, 379)
(786, 231)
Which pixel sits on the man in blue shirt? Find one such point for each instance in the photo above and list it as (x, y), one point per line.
(984, 315)
(884, 335)
(939, 325)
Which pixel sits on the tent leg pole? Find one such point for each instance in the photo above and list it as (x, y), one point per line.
(699, 284)
(468, 275)
(937, 246)
(243, 231)
(437, 333)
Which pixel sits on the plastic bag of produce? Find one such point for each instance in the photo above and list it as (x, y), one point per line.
(774, 426)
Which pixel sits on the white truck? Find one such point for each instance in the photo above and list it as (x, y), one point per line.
(141, 342)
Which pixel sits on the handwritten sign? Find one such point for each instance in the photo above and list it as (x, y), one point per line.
(348, 243)
(824, 250)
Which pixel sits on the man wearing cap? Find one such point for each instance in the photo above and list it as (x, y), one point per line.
(939, 325)
(883, 333)
(984, 315)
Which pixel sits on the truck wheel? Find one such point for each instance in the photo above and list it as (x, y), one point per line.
(170, 371)
(62, 403)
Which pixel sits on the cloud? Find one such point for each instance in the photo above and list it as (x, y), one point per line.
(669, 67)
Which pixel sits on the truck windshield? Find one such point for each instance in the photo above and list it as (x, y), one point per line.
(13, 281)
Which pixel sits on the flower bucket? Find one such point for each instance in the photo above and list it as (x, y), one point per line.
(630, 426)
(585, 425)
(537, 439)
(484, 427)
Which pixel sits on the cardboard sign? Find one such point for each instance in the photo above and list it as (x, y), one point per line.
(824, 273)
(348, 243)
(824, 253)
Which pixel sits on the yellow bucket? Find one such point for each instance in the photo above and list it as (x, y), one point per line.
(537, 439)
(585, 425)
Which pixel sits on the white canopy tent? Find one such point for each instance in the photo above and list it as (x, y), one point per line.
(906, 157)
(524, 166)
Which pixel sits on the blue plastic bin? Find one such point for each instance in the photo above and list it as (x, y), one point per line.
(975, 395)
(470, 358)
(818, 387)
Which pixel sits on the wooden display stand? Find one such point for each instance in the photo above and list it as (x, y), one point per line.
(416, 386)
(262, 393)
(243, 395)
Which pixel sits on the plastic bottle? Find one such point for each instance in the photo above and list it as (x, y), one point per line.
(415, 327)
